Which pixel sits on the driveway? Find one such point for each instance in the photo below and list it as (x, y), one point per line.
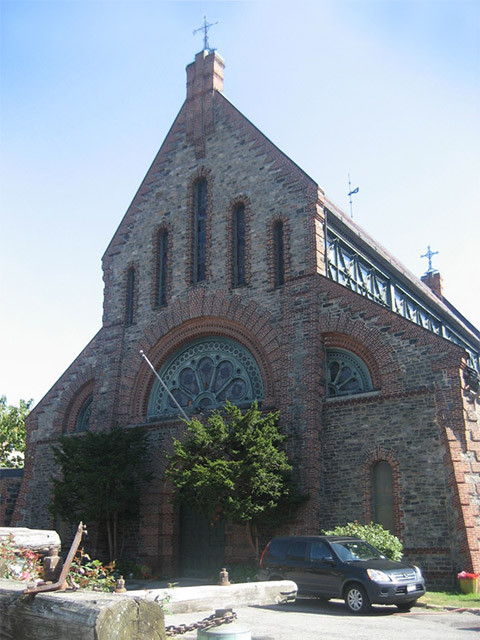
(308, 619)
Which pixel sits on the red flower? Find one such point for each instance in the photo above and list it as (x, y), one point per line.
(467, 575)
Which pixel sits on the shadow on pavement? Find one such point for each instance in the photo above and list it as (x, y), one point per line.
(329, 607)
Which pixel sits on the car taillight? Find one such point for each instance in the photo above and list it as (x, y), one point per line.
(263, 553)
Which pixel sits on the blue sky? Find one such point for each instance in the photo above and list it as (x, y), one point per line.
(388, 91)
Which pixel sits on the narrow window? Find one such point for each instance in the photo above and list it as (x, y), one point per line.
(130, 296)
(200, 231)
(279, 254)
(162, 266)
(382, 481)
(83, 421)
(239, 278)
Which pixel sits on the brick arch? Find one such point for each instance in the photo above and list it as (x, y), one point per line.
(380, 454)
(76, 401)
(247, 325)
(349, 343)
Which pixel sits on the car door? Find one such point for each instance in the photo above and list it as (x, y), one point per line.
(322, 576)
(296, 562)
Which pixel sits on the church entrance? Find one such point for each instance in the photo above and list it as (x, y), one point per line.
(202, 545)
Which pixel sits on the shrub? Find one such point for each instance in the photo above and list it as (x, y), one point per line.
(375, 534)
(242, 573)
(18, 563)
(91, 574)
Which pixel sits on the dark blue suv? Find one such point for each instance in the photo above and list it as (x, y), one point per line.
(342, 567)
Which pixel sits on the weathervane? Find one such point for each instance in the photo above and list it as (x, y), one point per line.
(351, 192)
(205, 28)
(429, 255)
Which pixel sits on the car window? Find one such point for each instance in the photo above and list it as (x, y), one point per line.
(277, 549)
(297, 550)
(319, 551)
(357, 550)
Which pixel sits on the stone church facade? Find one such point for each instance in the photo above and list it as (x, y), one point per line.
(239, 279)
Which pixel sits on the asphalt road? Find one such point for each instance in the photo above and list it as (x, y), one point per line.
(308, 619)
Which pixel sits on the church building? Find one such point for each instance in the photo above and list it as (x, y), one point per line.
(240, 280)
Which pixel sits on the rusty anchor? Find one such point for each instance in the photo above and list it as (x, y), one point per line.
(62, 580)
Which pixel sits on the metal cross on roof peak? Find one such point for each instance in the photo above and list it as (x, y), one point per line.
(205, 28)
(429, 255)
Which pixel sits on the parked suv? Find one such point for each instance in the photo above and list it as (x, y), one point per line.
(342, 567)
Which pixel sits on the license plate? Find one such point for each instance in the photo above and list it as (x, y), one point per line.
(411, 587)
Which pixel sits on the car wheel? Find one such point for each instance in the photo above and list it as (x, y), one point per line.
(406, 606)
(356, 599)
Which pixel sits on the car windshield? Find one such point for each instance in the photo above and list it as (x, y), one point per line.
(355, 551)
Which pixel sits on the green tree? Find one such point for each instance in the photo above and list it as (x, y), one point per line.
(233, 467)
(12, 432)
(373, 533)
(101, 477)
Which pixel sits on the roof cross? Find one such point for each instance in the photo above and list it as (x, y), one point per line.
(429, 255)
(205, 28)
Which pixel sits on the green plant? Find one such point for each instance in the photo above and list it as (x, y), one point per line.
(242, 573)
(18, 563)
(12, 432)
(91, 574)
(101, 477)
(233, 467)
(375, 534)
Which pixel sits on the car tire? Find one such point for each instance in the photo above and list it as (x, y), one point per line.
(356, 599)
(406, 606)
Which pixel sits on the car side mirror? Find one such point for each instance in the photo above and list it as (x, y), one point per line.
(329, 560)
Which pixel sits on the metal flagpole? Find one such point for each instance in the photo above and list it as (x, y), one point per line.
(163, 384)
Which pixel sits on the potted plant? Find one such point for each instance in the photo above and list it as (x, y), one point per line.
(468, 582)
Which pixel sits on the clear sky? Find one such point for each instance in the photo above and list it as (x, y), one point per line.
(386, 90)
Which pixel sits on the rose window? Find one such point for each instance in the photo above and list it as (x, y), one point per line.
(346, 374)
(204, 375)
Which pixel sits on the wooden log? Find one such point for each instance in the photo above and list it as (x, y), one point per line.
(77, 615)
(38, 540)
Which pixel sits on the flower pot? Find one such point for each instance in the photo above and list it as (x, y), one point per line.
(469, 585)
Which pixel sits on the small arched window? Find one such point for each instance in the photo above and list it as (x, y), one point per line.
(162, 267)
(200, 231)
(346, 374)
(130, 301)
(382, 495)
(83, 420)
(239, 246)
(279, 253)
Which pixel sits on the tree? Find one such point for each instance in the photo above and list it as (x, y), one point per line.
(102, 474)
(12, 432)
(233, 467)
(375, 534)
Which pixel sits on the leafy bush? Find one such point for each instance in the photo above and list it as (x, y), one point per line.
(18, 563)
(375, 534)
(242, 573)
(91, 574)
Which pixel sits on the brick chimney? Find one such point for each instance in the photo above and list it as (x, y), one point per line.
(434, 280)
(204, 77)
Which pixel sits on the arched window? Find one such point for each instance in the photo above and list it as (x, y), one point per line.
(130, 301)
(83, 420)
(239, 246)
(205, 374)
(162, 267)
(279, 253)
(382, 495)
(346, 374)
(200, 231)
